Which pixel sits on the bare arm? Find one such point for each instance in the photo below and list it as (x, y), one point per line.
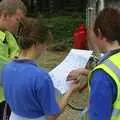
(64, 100)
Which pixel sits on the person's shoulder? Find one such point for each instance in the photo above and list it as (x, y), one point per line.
(42, 77)
(99, 72)
(101, 77)
(41, 72)
(7, 66)
(9, 35)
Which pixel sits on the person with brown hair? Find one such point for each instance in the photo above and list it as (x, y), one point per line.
(29, 89)
(104, 80)
(11, 13)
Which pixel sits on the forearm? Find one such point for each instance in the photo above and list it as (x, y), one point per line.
(62, 104)
(64, 100)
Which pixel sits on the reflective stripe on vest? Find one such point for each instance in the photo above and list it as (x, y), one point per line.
(112, 67)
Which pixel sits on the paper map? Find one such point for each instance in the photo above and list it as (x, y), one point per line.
(74, 60)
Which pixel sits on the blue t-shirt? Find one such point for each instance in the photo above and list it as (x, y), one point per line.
(29, 90)
(102, 95)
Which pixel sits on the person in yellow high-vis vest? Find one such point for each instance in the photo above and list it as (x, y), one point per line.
(11, 13)
(104, 80)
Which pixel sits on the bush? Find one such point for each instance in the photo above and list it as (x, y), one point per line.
(62, 28)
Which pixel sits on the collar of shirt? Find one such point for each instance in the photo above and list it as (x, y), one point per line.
(19, 60)
(108, 54)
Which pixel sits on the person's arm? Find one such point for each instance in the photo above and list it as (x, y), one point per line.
(47, 98)
(62, 104)
(102, 94)
(64, 100)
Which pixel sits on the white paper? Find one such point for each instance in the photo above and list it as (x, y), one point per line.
(74, 60)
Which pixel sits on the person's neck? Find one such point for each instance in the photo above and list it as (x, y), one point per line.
(27, 54)
(111, 47)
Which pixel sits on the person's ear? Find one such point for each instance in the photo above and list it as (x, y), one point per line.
(100, 34)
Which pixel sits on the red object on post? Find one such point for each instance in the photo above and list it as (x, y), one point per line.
(79, 37)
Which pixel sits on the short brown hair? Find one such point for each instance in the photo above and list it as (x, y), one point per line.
(108, 23)
(31, 32)
(10, 6)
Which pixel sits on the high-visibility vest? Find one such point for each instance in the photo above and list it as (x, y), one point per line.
(112, 67)
(8, 49)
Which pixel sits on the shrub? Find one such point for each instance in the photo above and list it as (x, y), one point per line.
(62, 28)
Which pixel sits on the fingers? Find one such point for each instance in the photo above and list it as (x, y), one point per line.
(70, 78)
(75, 81)
(73, 75)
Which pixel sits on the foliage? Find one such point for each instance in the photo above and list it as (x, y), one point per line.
(62, 27)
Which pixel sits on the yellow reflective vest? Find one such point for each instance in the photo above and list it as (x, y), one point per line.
(8, 49)
(112, 67)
